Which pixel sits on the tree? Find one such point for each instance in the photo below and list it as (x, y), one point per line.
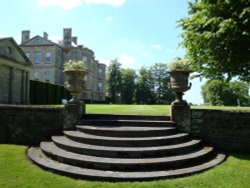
(217, 38)
(221, 92)
(144, 87)
(163, 95)
(128, 85)
(113, 81)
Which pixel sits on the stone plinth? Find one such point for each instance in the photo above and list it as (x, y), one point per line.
(181, 115)
(72, 114)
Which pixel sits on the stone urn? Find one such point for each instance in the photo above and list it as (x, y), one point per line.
(74, 82)
(179, 84)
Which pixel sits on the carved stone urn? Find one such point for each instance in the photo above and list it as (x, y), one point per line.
(74, 82)
(179, 84)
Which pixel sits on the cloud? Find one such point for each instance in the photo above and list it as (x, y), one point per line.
(109, 2)
(126, 61)
(64, 4)
(156, 46)
(70, 4)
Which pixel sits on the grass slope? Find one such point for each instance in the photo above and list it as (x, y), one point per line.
(17, 171)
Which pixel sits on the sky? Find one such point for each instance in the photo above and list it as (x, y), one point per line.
(136, 32)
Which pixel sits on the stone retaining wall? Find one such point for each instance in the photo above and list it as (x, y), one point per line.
(29, 125)
(226, 130)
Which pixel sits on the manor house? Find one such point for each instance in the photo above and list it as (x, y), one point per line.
(48, 57)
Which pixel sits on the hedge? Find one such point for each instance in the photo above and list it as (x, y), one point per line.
(47, 93)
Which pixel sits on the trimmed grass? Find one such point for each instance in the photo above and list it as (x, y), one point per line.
(17, 171)
(128, 109)
(222, 107)
(145, 109)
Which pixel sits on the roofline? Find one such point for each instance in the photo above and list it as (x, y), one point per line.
(19, 49)
(53, 43)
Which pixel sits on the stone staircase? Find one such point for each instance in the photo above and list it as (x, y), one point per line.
(124, 148)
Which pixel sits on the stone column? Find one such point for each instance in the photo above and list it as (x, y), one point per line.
(181, 115)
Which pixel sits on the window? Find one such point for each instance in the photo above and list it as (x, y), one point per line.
(46, 76)
(37, 57)
(100, 87)
(100, 72)
(85, 59)
(36, 76)
(48, 57)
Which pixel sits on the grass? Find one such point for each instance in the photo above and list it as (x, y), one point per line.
(146, 109)
(17, 171)
(128, 109)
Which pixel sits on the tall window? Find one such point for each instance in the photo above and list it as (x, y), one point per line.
(48, 57)
(100, 87)
(100, 72)
(37, 57)
(85, 59)
(47, 76)
(36, 76)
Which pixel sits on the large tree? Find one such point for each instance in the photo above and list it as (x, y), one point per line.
(163, 95)
(217, 38)
(220, 92)
(113, 80)
(128, 85)
(144, 87)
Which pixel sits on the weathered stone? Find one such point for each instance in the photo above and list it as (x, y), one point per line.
(72, 114)
(28, 124)
(227, 130)
(197, 114)
(181, 115)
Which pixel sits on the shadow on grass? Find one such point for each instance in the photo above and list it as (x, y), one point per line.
(241, 156)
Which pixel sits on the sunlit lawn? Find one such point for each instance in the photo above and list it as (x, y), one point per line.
(145, 109)
(16, 171)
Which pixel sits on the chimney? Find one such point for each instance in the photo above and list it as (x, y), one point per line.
(67, 38)
(25, 36)
(74, 39)
(45, 36)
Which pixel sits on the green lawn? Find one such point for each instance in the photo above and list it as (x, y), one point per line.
(17, 171)
(145, 109)
(128, 109)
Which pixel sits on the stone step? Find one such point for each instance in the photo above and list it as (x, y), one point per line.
(143, 123)
(127, 141)
(126, 117)
(126, 152)
(38, 157)
(121, 164)
(127, 131)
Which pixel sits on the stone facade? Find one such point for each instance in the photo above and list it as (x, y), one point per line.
(48, 58)
(14, 73)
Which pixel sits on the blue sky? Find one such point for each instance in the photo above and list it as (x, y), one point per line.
(137, 32)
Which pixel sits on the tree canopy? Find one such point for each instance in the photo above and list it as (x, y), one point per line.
(217, 38)
(219, 92)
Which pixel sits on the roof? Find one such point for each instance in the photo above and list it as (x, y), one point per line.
(9, 49)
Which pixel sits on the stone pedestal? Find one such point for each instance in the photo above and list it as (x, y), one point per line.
(181, 115)
(72, 115)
